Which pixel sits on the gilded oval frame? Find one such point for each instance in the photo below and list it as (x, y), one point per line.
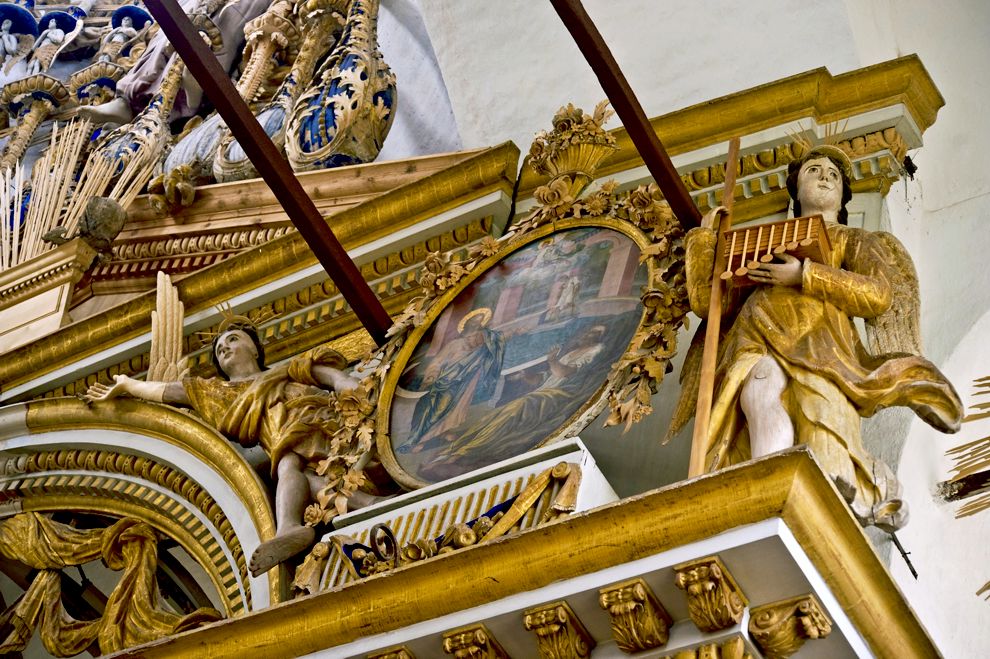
(619, 376)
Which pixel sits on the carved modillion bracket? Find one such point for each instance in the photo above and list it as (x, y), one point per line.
(781, 628)
(639, 621)
(559, 632)
(715, 601)
(734, 648)
(401, 652)
(473, 642)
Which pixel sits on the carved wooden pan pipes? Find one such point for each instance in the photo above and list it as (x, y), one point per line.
(746, 248)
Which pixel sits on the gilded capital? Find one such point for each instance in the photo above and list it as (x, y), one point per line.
(401, 652)
(715, 601)
(639, 621)
(559, 632)
(473, 642)
(734, 648)
(781, 628)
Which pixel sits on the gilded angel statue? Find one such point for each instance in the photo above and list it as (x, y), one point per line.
(791, 367)
(286, 409)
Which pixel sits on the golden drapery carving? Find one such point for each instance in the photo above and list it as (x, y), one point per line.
(833, 380)
(132, 614)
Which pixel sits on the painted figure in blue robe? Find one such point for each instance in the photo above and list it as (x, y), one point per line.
(463, 373)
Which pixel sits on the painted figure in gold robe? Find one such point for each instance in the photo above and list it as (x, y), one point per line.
(791, 366)
(285, 409)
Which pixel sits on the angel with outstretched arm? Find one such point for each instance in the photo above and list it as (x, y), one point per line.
(791, 368)
(285, 409)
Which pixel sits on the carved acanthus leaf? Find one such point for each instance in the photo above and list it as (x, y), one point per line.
(559, 632)
(715, 602)
(639, 621)
(782, 628)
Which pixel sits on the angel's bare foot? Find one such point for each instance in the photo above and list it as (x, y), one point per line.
(281, 548)
(116, 111)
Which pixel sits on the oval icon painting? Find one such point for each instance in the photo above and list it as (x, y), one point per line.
(519, 354)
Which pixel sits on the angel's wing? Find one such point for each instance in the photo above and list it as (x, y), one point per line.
(25, 42)
(899, 328)
(166, 362)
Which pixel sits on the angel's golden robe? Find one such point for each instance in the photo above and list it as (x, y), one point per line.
(832, 379)
(282, 408)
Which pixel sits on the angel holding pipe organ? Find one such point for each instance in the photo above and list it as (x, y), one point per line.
(791, 368)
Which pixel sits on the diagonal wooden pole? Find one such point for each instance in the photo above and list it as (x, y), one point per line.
(700, 440)
(589, 40)
(272, 166)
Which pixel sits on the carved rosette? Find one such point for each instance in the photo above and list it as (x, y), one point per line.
(639, 621)
(715, 601)
(781, 628)
(401, 652)
(474, 642)
(559, 632)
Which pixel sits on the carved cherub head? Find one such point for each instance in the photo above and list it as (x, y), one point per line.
(838, 159)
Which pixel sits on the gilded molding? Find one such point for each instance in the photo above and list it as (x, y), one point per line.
(473, 642)
(97, 463)
(402, 207)
(401, 652)
(715, 601)
(559, 632)
(734, 648)
(172, 426)
(539, 498)
(63, 265)
(639, 620)
(816, 94)
(793, 489)
(781, 628)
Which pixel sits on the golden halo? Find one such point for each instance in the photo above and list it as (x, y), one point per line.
(484, 312)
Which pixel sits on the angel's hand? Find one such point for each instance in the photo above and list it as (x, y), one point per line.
(100, 392)
(788, 273)
(710, 220)
(554, 352)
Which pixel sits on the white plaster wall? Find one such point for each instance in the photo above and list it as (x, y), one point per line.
(509, 65)
(424, 121)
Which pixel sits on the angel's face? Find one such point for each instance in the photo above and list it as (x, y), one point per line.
(126, 21)
(819, 186)
(52, 24)
(236, 353)
(5, 26)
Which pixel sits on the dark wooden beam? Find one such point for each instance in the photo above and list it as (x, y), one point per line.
(589, 40)
(272, 166)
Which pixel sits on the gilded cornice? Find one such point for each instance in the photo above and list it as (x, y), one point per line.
(792, 487)
(400, 208)
(62, 265)
(816, 94)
